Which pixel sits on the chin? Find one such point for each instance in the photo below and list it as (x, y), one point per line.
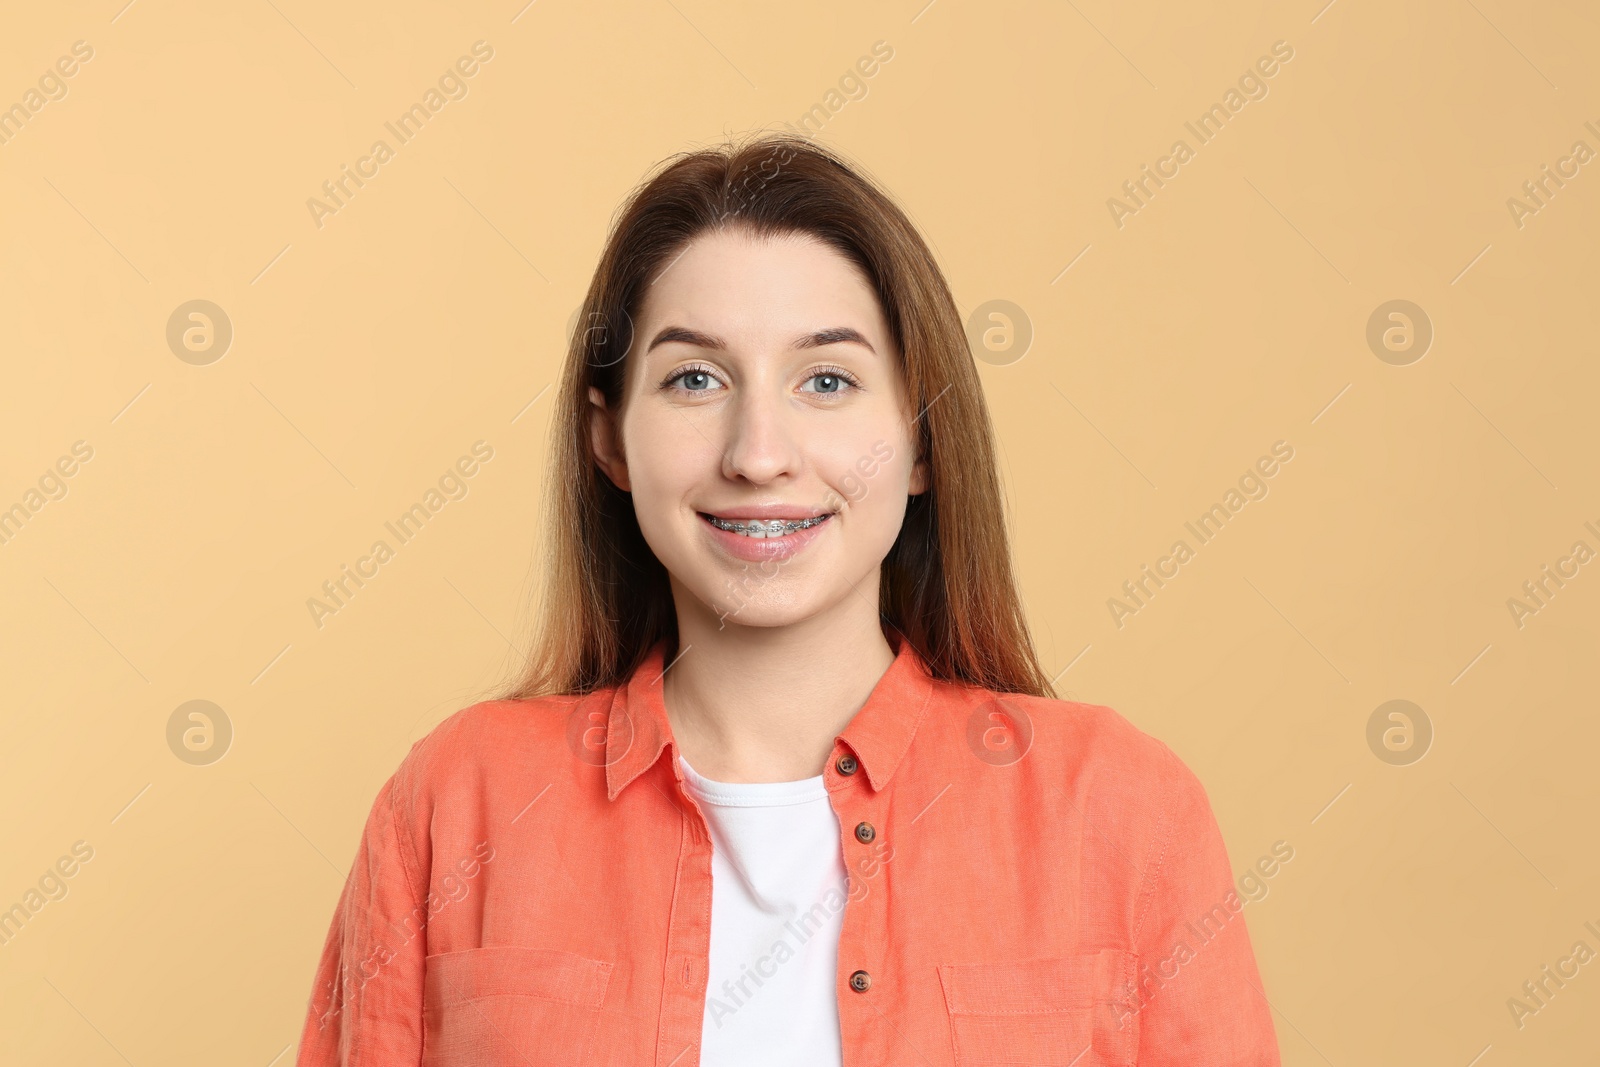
(756, 614)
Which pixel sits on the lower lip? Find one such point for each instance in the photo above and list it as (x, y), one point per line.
(761, 549)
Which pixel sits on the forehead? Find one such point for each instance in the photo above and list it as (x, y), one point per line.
(749, 289)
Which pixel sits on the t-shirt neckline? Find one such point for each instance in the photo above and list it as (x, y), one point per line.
(752, 794)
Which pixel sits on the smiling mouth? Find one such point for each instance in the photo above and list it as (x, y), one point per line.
(763, 528)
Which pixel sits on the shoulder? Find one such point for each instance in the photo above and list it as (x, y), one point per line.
(1097, 749)
(498, 741)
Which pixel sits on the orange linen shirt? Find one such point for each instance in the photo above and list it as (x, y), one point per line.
(1031, 881)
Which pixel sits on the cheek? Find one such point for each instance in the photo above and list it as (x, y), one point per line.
(873, 487)
(665, 458)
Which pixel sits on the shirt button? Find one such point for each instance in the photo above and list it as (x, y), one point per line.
(861, 981)
(847, 764)
(865, 832)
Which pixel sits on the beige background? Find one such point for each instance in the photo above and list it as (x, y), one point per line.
(1228, 313)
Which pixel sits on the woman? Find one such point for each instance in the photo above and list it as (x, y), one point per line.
(784, 783)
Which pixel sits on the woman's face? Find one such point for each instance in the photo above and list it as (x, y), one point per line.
(762, 387)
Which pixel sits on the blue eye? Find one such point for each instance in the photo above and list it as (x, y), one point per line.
(695, 379)
(831, 382)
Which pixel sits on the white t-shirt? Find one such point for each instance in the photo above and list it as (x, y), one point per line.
(778, 890)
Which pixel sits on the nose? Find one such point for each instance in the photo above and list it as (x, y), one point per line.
(762, 441)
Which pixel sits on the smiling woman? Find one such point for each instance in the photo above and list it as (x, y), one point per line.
(737, 443)
(696, 790)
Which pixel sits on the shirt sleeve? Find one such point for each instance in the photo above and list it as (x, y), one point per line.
(1198, 995)
(366, 1004)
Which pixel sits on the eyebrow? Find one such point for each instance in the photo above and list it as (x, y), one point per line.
(831, 336)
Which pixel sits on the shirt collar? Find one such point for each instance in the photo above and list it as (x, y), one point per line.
(637, 727)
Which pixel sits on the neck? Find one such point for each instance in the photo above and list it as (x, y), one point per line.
(764, 704)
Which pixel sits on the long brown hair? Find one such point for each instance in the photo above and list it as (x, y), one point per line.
(947, 583)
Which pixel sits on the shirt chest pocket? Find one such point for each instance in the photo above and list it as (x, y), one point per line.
(1069, 1011)
(511, 1005)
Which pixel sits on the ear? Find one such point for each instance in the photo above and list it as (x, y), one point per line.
(607, 443)
(919, 478)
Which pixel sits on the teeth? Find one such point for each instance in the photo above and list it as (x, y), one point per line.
(769, 528)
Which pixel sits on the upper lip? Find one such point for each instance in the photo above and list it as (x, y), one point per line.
(790, 512)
